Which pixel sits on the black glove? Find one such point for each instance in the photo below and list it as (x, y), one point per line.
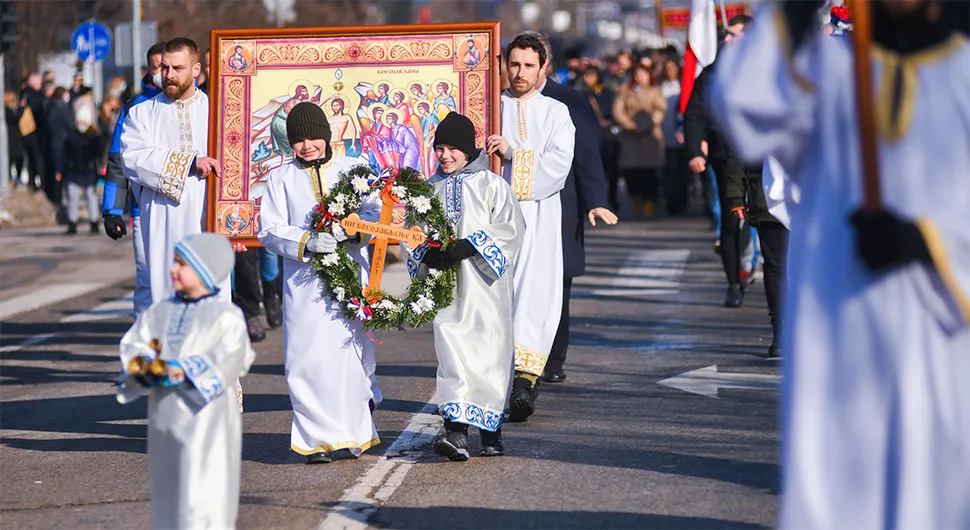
(439, 259)
(114, 226)
(886, 241)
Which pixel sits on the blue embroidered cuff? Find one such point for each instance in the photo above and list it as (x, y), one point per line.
(414, 260)
(203, 377)
(489, 252)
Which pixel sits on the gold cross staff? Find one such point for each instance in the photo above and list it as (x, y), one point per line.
(383, 232)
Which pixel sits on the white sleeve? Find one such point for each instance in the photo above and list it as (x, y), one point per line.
(149, 165)
(275, 231)
(538, 175)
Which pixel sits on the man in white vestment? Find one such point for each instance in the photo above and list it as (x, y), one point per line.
(330, 366)
(876, 407)
(164, 145)
(536, 146)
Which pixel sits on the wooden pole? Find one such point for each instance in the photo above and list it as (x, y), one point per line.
(659, 8)
(862, 37)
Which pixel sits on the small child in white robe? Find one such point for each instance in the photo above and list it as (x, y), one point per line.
(186, 354)
(473, 336)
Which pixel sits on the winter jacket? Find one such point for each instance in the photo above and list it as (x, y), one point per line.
(640, 112)
(81, 157)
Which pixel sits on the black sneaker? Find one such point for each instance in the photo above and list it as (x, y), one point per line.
(318, 458)
(94, 229)
(774, 351)
(273, 304)
(71, 229)
(734, 296)
(256, 331)
(522, 402)
(492, 443)
(452, 442)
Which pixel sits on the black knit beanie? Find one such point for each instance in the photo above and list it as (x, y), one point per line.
(457, 131)
(306, 121)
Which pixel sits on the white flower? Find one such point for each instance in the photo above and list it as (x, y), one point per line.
(400, 191)
(361, 185)
(435, 273)
(424, 303)
(416, 308)
(388, 305)
(339, 293)
(337, 209)
(340, 198)
(330, 259)
(421, 204)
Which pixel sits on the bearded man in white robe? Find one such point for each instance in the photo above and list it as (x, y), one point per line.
(164, 146)
(536, 146)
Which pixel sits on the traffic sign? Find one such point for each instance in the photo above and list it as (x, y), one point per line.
(91, 40)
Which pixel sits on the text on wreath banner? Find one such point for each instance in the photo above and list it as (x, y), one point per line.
(413, 236)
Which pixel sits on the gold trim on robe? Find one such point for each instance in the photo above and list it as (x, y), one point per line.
(319, 184)
(901, 69)
(785, 39)
(523, 173)
(300, 250)
(934, 241)
(174, 172)
(336, 447)
(529, 361)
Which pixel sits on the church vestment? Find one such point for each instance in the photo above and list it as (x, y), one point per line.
(875, 406)
(159, 145)
(330, 366)
(473, 336)
(195, 428)
(541, 140)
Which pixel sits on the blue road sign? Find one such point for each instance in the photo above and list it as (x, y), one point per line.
(91, 40)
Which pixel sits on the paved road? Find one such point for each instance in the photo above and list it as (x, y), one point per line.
(628, 441)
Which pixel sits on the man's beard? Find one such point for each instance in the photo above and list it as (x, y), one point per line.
(175, 92)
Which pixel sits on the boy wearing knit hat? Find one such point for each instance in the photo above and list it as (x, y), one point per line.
(186, 354)
(330, 365)
(473, 336)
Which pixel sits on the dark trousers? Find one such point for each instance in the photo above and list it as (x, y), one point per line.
(774, 249)
(36, 167)
(247, 291)
(610, 158)
(557, 357)
(643, 182)
(734, 237)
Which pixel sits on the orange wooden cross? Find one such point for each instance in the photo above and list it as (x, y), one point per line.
(383, 232)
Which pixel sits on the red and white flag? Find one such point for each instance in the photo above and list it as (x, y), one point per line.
(701, 46)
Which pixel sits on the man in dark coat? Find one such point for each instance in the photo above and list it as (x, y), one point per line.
(699, 127)
(35, 143)
(584, 196)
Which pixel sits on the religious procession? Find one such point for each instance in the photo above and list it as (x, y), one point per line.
(345, 264)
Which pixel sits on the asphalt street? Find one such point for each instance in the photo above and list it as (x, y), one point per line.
(667, 418)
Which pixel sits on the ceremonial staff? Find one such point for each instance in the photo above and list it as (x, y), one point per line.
(861, 37)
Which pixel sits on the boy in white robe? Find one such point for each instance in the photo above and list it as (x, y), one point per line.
(330, 367)
(196, 346)
(536, 146)
(473, 336)
(875, 404)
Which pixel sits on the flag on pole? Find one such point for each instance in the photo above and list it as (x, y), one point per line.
(701, 46)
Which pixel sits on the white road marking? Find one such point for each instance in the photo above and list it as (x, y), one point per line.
(379, 482)
(50, 294)
(118, 308)
(706, 381)
(644, 273)
(32, 341)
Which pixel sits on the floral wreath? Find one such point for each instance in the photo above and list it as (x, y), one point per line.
(340, 274)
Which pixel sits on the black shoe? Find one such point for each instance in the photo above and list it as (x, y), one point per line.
(318, 458)
(94, 228)
(371, 405)
(734, 296)
(554, 376)
(452, 442)
(774, 351)
(492, 443)
(71, 229)
(522, 402)
(272, 303)
(255, 328)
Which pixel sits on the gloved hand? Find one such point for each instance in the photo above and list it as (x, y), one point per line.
(436, 258)
(322, 243)
(884, 240)
(338, 233)
(114, 226)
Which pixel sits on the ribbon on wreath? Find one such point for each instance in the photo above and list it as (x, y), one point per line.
(387, 177)
(364, 313)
